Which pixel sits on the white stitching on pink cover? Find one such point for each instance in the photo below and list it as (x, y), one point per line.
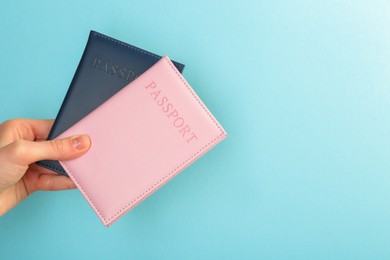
(166, 177)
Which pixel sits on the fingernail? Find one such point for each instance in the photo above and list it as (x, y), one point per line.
(81, 142)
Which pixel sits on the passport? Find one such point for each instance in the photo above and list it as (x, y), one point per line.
(106, 66)
(141, 137)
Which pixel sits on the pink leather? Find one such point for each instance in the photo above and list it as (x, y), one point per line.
(136, 146)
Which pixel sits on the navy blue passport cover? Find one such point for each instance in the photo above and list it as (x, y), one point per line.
(106, 66)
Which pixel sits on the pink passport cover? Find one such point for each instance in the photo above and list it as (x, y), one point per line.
(141, 138)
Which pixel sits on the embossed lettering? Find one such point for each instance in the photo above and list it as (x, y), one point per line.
(174, 113)
(177, 121)
(193, 137)
(113, 69)
(162, 101)
(185, 130)
(155, 94)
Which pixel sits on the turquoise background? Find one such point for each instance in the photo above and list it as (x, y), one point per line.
(302, 88)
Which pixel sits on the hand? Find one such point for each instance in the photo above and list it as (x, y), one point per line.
(21, 144)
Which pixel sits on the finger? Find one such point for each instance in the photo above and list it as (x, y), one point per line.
(54, 182)
(24, 152)
(41, 139)
(41, 128)
(11, 197)
(26, 129)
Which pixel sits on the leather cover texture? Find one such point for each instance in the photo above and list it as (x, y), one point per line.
(141, 137)
(106, 66)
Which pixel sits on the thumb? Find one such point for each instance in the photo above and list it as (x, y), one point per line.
(24, 152)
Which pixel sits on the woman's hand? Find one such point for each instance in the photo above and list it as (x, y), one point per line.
(22, 142)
